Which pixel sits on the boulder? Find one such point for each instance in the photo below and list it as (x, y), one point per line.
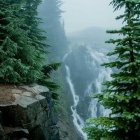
(27, 113)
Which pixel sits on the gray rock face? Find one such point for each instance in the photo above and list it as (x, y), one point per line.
(27, 113)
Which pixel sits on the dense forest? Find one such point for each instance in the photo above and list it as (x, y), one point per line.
(23, 45)
(93, 88)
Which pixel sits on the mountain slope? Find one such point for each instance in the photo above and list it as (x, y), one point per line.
(93, 36)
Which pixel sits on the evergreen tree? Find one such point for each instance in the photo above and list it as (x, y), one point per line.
(20, 60)
(35, 35)
(122, 93)
(50, 12)
(38, 44)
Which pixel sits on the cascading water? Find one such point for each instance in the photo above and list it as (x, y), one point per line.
(93, 61)
(104, 74)
(77, 120)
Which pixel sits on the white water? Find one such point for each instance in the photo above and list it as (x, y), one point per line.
(103, 74)
(77, 120)
(98, 58)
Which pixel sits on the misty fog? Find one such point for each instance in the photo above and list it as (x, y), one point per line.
(81, 14)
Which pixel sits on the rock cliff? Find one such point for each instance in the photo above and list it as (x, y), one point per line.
(26, 113)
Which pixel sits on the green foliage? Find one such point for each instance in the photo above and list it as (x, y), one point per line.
(122, 93)
(20, 46)
(47, 70)
(47, 81)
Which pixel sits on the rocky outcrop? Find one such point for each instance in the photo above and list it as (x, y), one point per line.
(26, 113)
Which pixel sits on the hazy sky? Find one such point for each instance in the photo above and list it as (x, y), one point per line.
(81, 14)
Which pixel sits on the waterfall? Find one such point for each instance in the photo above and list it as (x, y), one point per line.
(77, 120)
(98, 58)
(92, 62)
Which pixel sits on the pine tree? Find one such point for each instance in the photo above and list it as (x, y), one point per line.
(122, 93)
(50, 12)
(38, 47)
(10, 34)
(20, 60)
(36, 37)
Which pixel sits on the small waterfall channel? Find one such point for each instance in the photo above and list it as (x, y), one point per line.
(77, 120)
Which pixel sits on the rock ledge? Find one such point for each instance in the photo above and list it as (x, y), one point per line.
(26, 112)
